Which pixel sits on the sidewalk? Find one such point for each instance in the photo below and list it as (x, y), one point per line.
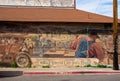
(29, 71)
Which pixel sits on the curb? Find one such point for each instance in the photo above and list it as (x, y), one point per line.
(80, 73)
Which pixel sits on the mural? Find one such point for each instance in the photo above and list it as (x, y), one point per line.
(49, 42)
(42, 45)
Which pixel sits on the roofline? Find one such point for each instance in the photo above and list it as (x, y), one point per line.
(100, 15)
(53, 20)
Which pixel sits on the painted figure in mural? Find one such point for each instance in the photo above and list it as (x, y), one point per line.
(97, 50)
(86, 46)
(75, 42)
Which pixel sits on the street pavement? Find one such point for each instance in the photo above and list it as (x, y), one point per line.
(10, 73)
(30, 71)
(63, 78)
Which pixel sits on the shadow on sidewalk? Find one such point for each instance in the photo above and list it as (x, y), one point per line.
(4, 74)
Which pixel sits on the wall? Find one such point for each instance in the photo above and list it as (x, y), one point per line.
(50, 40)
(40, 3)
(47, 40)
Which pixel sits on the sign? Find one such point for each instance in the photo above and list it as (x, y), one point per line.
(38, 3)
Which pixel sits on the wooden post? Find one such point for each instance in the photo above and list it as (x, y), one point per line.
(115, 35)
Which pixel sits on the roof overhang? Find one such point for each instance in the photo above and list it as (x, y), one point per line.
(51, 15)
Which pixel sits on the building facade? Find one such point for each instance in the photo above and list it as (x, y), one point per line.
(48, 32)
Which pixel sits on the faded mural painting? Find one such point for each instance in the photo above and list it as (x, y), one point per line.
(45, 42)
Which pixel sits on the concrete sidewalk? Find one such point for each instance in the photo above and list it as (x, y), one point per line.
(29, 71)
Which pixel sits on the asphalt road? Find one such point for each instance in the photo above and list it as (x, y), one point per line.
(63, 78)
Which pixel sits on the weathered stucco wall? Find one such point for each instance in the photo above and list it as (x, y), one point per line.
(43, 3)
(51, 40)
